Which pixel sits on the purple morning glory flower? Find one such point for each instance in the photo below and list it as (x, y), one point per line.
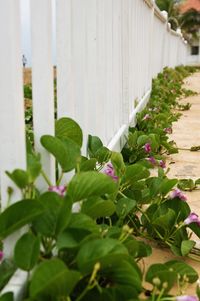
(192, 218)
(1, 255)
(146, 117)
(147, 147)
(152, 160)
(58, 189)
(177, 193)
(187, 298)
(168, 130)
(109, 171)
(162, 164)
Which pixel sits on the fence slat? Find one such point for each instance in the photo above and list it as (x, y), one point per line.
(12, 129)
(42, 80)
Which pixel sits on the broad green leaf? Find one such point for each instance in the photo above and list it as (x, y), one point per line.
(186, 246)
(27, 250)
(94, 144)
(182, 269)
(97, 207)
(166, 221)
(68, 128)
(105, 251)
(161, 272)
(56, 215)
(167, 185)
(88, 165)
(19, 177)
(181, 208)
(132, 139)
(7, 297)
(175, 250)
(83, 221)
(124, 206)
(18, 215)
(91, 183)
(7, 269)
(71, 238)
(66, 151)
(118, 163)
(195, 228)
(34, 166)
(142, 140)
(135, 173)
(53, 279)
(103, 154)
(124, 273)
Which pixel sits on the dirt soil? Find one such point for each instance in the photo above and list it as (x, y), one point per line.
(186, 164)
(28, 75)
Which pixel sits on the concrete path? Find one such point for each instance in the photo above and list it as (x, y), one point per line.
(185, 164)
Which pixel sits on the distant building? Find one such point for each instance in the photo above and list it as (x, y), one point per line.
(194, 40)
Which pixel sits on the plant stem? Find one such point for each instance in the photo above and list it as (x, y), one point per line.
(46, 178)
(59, 179)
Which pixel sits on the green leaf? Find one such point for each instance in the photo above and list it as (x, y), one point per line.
(182, 269)
(56, 215)
(118, 163)
(105, 251)
(83, 221)
(103, 154)
(91, 183)
(181, 208)
(71, 238)
(195, 228)
(52, 279)
(163, 274)
(166, 221)
(97, 207)
(186, 246)
(135, 173)
(142, 140)
(94, 144)
(124, 273)
(7, 269)
(68, 128)
(167, 185)
(88, 165)
(7, 297)
(27, 250)
(66, 151)
(124, 206)
(33, 166)
(19, 177)
(18, 215)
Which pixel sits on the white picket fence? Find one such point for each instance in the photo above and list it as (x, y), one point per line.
(108, 51)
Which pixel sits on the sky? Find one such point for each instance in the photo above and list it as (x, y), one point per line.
(26, 29)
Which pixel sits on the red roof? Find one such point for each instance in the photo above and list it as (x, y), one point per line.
(190, 4)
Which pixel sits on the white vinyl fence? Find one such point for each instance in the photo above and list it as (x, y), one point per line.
(108, 51)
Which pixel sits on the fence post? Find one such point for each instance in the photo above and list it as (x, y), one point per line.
(12, 128)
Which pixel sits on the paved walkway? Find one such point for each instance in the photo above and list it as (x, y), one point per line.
(186, 164)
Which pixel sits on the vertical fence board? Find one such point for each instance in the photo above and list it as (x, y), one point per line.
(42, 78)
(12, 129)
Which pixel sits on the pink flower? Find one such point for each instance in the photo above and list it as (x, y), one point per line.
(187, 298)
(177, 193)
(192, 218)
(146, 117)
(109, 171)
(58, 189)
(147, 147)
(162, 164)
(168, 130)
(152, 160)
(1, 255)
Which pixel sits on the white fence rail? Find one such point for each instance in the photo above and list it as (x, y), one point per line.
(108, 51)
